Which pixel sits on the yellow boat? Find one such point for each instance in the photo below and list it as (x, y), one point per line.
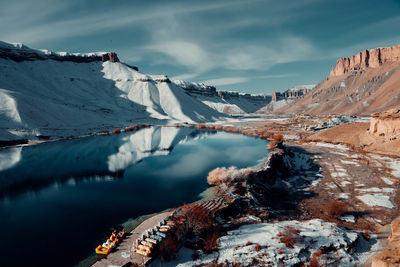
(103, 250)
(114, 239)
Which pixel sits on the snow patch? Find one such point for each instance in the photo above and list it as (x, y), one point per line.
(377, 200)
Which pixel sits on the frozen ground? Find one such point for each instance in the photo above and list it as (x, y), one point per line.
(264, 244)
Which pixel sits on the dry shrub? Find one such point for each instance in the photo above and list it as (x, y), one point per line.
(278, 138)
(314, 259)
(257, 247)
(201, 126)
(336, 208)
(197, 218)
(231, 174)
(116, 131)
(130, 128)
(271, 145)
(168, 248)
(304, 141)
(231, 129)
(211, 244)
(249, 243)
(290, 237)
(366, 235)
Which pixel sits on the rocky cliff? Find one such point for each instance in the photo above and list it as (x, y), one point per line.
(360, 85)
(386, 124)
(366, 59)
(20, 52)
(390, 256)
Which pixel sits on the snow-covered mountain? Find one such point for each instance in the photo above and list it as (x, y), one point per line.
(224, 101)
(62, 94)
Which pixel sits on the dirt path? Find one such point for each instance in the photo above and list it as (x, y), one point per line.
(363, 181)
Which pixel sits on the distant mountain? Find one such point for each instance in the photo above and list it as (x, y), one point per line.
(62, 94)
(362, 84)
(224, 101)
(280, 100)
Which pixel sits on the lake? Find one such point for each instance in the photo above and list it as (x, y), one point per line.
(59, 200)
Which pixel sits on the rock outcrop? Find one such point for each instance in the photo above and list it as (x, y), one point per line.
(386, 124)
(19, 53)
(366, 59)
(390, 256)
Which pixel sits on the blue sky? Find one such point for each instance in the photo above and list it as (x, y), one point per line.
(249, 46)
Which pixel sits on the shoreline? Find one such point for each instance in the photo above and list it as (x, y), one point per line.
(131, 226)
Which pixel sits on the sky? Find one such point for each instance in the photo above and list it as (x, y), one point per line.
(253, 46)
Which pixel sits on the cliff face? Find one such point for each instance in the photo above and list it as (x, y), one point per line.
(386, 124)
(366, 59)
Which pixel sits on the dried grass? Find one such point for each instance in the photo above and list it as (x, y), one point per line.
(336, 208)
(231, 174)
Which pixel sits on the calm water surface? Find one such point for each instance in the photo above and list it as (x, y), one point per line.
(58, 201)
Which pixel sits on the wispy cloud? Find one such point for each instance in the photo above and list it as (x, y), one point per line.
(226, 81)
(276, 76)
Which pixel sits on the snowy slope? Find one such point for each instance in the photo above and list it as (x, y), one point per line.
(224, 101)
(62, 98)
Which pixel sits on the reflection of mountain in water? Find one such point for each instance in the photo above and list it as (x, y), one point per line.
(149, 141)
(9, 157)
(100, 157)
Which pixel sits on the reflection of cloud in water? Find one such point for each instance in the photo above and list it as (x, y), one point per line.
(146, 142)
(9, 157)
(237, 154)
(190, 164)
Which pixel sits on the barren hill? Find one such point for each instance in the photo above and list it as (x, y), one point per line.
(359, 85)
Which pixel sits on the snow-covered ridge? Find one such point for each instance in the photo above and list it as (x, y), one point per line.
(224, 101)
(42, 95)
(20, 52)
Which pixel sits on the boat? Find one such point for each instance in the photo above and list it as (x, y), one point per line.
(112, 241)
(104, 250)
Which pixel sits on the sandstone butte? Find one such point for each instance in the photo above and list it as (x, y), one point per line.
(365, 59)
(390, 256)
(386, 124)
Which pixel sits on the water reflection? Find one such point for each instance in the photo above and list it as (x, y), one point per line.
(9, 157)
(147, 142)
(94, 159)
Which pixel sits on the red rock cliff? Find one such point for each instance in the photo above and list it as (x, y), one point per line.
(366, 59)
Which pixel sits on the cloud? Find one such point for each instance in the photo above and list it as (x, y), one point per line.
(276, 76)
(185, 54)
(226, 81)
(186, 76)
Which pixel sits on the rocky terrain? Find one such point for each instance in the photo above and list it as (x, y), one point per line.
(313, 203)
(359, 85)
(381, 134)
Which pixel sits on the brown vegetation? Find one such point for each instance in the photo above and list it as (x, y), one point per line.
(198, 218)
(168, 248)
(314, 262)
(211, 244)
(223, 175)
(336, 208)
(116, 131)
(290, 237)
